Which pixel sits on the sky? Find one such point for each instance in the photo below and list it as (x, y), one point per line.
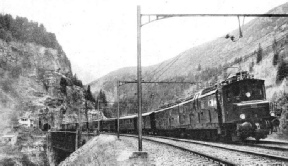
(100, 36)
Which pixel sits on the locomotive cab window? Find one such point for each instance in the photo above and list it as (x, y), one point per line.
(245, 91)
(252, 91)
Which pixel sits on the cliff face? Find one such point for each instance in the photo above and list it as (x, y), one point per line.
(23, 72)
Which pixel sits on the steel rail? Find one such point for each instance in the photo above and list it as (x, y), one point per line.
(215, 15)
(226, 148)
(262, 146)
(155, 82)
(62, 131)
(267, 142)
(280, 158)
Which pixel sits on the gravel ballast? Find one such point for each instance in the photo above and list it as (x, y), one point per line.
(107, 150)
(238, 158)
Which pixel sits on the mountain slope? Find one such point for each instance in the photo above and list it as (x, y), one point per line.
(214, 57)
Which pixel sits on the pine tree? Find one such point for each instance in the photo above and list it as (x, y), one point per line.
(282, 71)
(276, 53)
(251, 66)
(199, 67)
(63, 84)
(275, 58)
(259, 54)
(76, 81)
(101, 98)
(102, 101)
(89, 95)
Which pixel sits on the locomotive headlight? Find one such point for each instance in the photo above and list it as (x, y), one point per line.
(257, 125)
(248, 94)
(242, 116)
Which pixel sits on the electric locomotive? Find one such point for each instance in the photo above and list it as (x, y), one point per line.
(232, 110)
(244, 108)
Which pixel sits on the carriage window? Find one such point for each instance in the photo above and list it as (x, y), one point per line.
(202, 104)
(212, 102)
(181, 109)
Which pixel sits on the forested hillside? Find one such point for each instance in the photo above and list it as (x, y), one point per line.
(22, 30)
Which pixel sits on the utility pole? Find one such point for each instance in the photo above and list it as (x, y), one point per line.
(78, 130)
(139, 79)
(118, 114)
(87, 119)
(98, 105)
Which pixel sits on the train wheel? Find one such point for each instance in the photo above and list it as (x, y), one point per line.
(214, 136)
(257, 139)
(182, 135)
(202, 136)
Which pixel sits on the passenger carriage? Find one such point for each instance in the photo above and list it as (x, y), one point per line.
(234, 109)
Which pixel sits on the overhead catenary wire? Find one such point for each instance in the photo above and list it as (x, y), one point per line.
(172, 62)
(156, 68)
(160, 70)
(168, 64)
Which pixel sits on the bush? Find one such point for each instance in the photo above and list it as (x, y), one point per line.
(7, 162)
(6, 86)
(237, 60)
(40, 73)
(16, 71)
(76, 81)
(282, 71)
(26, 162)
(259, 54)
(251, 66)
(63, 84)
(199, 67)
(108, 113)
(275, 58)
(276, 52)
(26, 63)
(3, 64)
(5, 35)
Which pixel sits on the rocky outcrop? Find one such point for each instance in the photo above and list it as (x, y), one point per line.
(25, 71)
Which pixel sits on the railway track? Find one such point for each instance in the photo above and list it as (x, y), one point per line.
(270, 145)
(281, 146)
(207, 157)
(228, 154)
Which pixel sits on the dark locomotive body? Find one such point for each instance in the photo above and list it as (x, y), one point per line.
(233, 110)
